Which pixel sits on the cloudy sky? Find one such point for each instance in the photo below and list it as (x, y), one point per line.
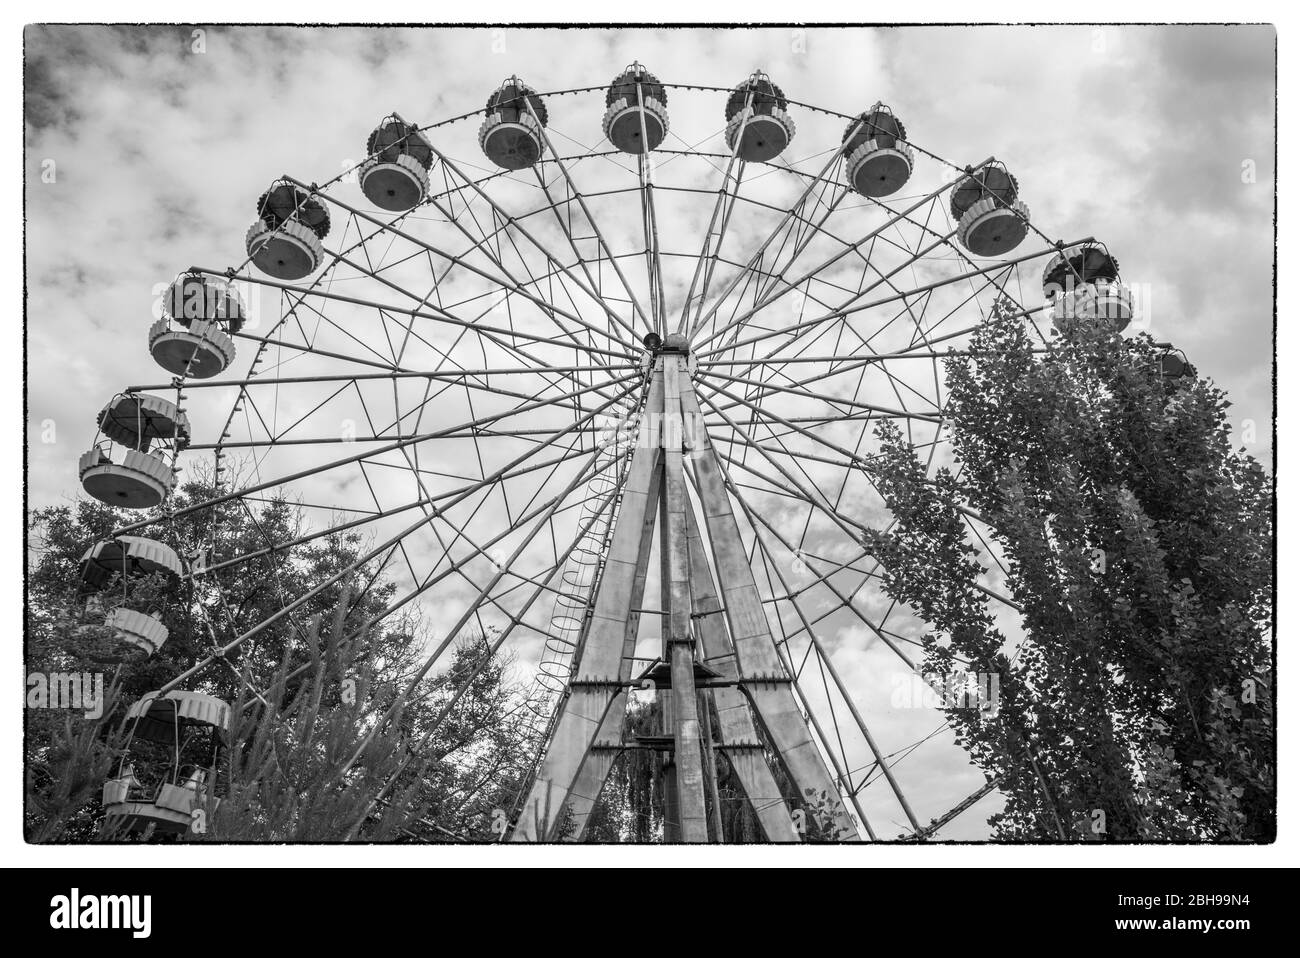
(1158, 141)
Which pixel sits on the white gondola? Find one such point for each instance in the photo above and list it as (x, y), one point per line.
(194, 335)
(758, 126)
(636, 111)
(511, 133)
(180, 725)
(1108, 302)
(991, 219)
(145, 631)
(395, 174)
(122, 560)
(877, 159)
(133, 419)
(128, 557)
(143, 475)
(139, 480)
(285, 241)
(1082, 285)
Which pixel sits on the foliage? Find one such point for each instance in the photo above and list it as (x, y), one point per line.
(1137, 545)
(305, 701)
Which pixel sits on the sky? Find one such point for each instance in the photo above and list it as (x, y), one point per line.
(146, 149)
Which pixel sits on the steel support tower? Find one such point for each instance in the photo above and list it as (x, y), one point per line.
(717, 648)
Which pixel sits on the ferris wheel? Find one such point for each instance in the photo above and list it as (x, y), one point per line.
(595, 372)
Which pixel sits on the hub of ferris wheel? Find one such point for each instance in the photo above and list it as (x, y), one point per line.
(717, 646)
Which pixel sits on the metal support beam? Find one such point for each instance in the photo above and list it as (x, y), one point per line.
(679, 642)
(599, 660)
(738, 736)
(595, 770)
(756, 654)
(717, 646)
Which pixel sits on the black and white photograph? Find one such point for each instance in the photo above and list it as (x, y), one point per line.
(855, 443)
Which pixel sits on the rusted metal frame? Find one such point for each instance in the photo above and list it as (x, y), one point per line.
(514, 221)
(842, 775)
(533, 281)
(271, 435)
(678, 637)
(841, 520)
(540, 585)
(322, 317)
(799, 329)
(737, 735)
(968, 802)
(894, 219)
(707, 261)
(760, 385)
(390, 229)
(847, 309)
(584, 475)
(907, 308)
(845, 601)
(347, 460)
(760, 665)
(773, 371)
(437, 316)
(835, 677)
(797, 673)
(423, 520)
(809, 717)
(590, 780)
(856, 360)
(455, 565)
(491, 333)
(654, 272)
(452, 375)
(756, 257)
(850, 403)
(756, 412)
(208, 503)
(335, 440)
(822, 579)
(401, 545)
(601, 656)
(862, 364)
(774, 275)
(586, 212)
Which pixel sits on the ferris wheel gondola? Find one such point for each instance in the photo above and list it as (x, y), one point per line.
(124, 560)
(758, 126)
(166, 777)
(285, 240)
(877, 159)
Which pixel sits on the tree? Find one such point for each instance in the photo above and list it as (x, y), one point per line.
(1137, 545)
(303, 704)
(630, 807)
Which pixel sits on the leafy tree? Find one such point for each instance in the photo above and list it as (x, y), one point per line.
(303, 704)
(630, 807)
(1137, 544)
